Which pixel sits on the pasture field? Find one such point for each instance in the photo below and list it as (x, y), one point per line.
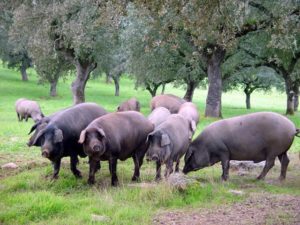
(29, 196)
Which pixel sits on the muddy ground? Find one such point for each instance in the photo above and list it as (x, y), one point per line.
(259, 207)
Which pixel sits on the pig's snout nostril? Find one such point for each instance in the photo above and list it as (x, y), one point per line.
(96, 148)
(45, 153)
(154, 158)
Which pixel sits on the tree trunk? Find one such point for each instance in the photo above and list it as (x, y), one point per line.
(83, 71)
(117, 85)
(296, 97)
(152, 90)
(108, 78)
(290, 96)
(214, 95)
(53, 85)
(191, 86)
(163, 88)
(248, 103)
(24, 73)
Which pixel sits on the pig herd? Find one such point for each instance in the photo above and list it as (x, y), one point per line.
(165, 136)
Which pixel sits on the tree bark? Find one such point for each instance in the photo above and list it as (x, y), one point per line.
(83, 70)
(163, 88)
(214, 95)
(296, 97)
(153, 90)
(117, 85)
(290, 96)
(53, 92)
(24, 73)
(191, 86)
(248, 103)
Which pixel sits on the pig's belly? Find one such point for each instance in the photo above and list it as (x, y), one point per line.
(252, 154)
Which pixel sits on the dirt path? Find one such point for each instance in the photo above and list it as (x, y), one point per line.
(257, 209)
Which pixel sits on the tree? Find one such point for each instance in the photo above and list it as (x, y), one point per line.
(157, 57)
(49, 64)
(250, 79)
(215, 27)
(282, 59)
(77, 29)
(14, 55)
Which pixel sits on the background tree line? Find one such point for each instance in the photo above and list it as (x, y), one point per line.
(229, 44)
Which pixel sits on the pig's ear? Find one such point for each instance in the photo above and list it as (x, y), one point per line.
(82, 137)
(101, 132)
(192, 129)
(38, 136)
(34, 127)
(188, 155)
(149, 136)
(193, 125)
(165, 140)
(58, 136)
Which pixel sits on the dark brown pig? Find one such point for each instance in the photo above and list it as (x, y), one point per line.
(129, 105)
(256, 137)
(118, 135)
(169, 101)
(59, 138)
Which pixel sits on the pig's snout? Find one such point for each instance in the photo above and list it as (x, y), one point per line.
(45, 153)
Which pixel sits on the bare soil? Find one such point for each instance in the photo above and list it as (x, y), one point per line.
(257, 209)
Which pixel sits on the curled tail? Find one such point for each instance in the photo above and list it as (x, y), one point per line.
(297, 132)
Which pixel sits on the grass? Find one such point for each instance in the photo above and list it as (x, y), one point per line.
(28, 196)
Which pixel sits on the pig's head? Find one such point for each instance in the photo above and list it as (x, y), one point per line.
(51, 141)
(94, 141)
(159, 146)
(196, 158)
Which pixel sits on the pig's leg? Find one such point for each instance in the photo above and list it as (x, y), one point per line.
(177, 166)
(98, 166)
(269, 164)
(74, 162)
(113, 168)
(136, 174)
(169, 168)
(284, 160)
(225, 167)
(56, 167)
(158, 171)
(19, 117)
(93, 169)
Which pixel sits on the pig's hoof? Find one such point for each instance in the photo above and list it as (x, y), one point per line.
(157, 179)
(135, 178)
(91, 181)
(78, 175)
(115, 183)
(281, 179)
(260, 178)
(54, 177)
